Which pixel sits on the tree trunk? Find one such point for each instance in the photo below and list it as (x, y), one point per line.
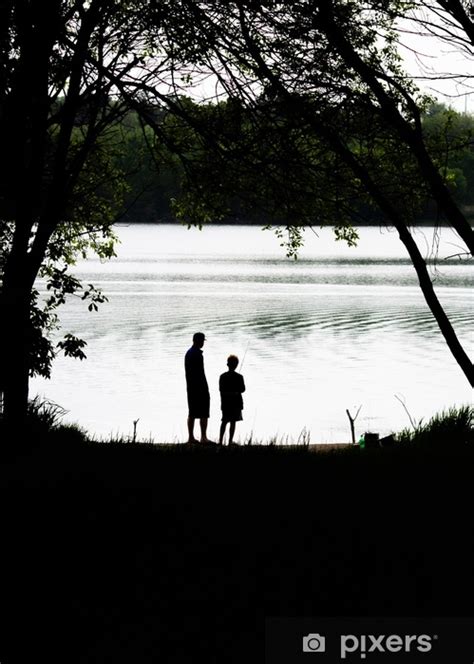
(329, 135)
(410, 133)
(419, 263)
(15, 305)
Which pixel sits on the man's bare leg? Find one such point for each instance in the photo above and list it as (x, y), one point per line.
(231, 432)
(203, 423)
(191, 438)
(204, 438)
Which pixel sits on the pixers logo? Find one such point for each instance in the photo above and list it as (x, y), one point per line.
(393, 643)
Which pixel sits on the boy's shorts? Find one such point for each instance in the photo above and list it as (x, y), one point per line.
(231, 416)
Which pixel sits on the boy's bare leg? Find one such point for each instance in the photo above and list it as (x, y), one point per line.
(222, 432)
(231, 432)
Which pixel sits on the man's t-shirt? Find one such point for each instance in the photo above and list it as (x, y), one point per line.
(194, 367)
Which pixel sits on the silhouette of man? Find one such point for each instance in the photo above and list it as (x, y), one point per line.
(231, 386)
(197, 389)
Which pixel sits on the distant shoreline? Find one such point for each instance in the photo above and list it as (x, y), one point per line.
(261, 224)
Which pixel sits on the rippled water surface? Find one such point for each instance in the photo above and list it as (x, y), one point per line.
(339, 328)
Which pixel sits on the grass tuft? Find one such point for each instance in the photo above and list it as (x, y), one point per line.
(43, 424)
(454, 426)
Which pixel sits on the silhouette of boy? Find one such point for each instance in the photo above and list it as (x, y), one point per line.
(231, 386)
(197, 389)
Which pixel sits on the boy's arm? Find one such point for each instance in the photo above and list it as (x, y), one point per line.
(224, 386)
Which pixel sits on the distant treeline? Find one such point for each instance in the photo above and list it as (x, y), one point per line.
(156, 174)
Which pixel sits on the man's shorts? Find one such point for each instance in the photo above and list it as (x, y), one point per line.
(199, 405)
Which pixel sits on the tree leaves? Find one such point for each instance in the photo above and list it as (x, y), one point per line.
(72, 346)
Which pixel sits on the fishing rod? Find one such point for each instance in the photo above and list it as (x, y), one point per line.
(243, 359)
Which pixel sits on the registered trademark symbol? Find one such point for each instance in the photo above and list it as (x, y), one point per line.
(435, 636)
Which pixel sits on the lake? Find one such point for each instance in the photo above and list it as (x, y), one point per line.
(338, 328)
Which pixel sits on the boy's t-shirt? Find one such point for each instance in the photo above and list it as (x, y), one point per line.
(231, 386)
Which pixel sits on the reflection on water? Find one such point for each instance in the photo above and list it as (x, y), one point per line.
(322, 334)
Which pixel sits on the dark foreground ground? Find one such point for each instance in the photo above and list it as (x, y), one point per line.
(132, 554)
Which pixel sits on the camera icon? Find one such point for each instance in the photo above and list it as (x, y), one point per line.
(314, 643)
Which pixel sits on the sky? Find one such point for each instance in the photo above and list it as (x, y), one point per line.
(430, 61)
(426, 57)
